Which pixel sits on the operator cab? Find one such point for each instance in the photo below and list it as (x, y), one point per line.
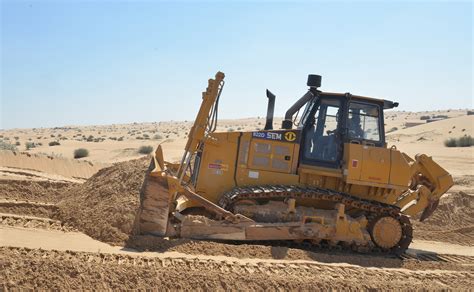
(331, 120)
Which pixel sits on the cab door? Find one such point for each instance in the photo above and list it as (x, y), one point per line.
(321, 144)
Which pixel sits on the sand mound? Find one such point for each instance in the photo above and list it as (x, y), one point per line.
(453, 221)
(104, 207)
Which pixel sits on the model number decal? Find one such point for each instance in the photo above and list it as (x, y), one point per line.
(289, 136)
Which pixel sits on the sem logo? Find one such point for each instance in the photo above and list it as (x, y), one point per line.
(290, 136)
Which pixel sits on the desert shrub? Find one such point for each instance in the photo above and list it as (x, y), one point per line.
(120, 139)
(393, 129)
(157, 137)
(464, 141)
(145, 149)
(440, 117)
(146, 136)
(7, 146)
(451, 142)
(29, 145)
(425, 118)
(90, 138)
(470, 113)
(54, 143)
(16, 137)
(17, 143)
(81, 152)
(230, 130)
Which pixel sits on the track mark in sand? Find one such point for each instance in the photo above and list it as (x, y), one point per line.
(433, 257)
(301, 268)
(33, 222)
(23, 265)
(4, 202)
(30, 208)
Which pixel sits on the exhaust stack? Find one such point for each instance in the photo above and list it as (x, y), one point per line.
(314, 81)
(270, 110)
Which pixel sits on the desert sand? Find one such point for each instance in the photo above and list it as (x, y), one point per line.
(67, 223)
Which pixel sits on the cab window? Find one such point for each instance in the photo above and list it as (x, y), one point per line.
(321, 139)
(363, 122)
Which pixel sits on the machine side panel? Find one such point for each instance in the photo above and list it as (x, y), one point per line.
(375, 164)
(263, 161)
(217, 168)
(399, 169)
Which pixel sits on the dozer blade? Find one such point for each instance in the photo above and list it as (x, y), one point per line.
(154, 203)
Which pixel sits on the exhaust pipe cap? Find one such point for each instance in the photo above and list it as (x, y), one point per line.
(314, 81)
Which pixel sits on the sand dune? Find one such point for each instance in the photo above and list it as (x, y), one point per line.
(43, 166)
(437, 131)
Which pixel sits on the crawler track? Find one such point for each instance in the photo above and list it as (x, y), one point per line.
(372, 209)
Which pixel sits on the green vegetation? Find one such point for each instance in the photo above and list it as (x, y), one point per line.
(465, 141)
(81, 152)
(7, 146)
(29, 145)
(145, 149)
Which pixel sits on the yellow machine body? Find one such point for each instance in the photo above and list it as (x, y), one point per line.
(234, 159)
(257, 186)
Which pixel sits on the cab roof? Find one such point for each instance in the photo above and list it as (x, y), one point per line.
(387, 104)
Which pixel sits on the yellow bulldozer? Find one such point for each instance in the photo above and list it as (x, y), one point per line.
(326, 177)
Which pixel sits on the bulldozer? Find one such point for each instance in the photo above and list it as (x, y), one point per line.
(326, 176)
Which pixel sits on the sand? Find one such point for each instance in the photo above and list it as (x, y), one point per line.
(54, 204)
(453, 221)
(78, 270)
(105, 206)
(36, 191)
(45, 167)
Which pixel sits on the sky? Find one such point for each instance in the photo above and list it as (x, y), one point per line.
(104, 62)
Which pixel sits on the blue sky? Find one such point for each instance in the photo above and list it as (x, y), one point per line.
(104, 62)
